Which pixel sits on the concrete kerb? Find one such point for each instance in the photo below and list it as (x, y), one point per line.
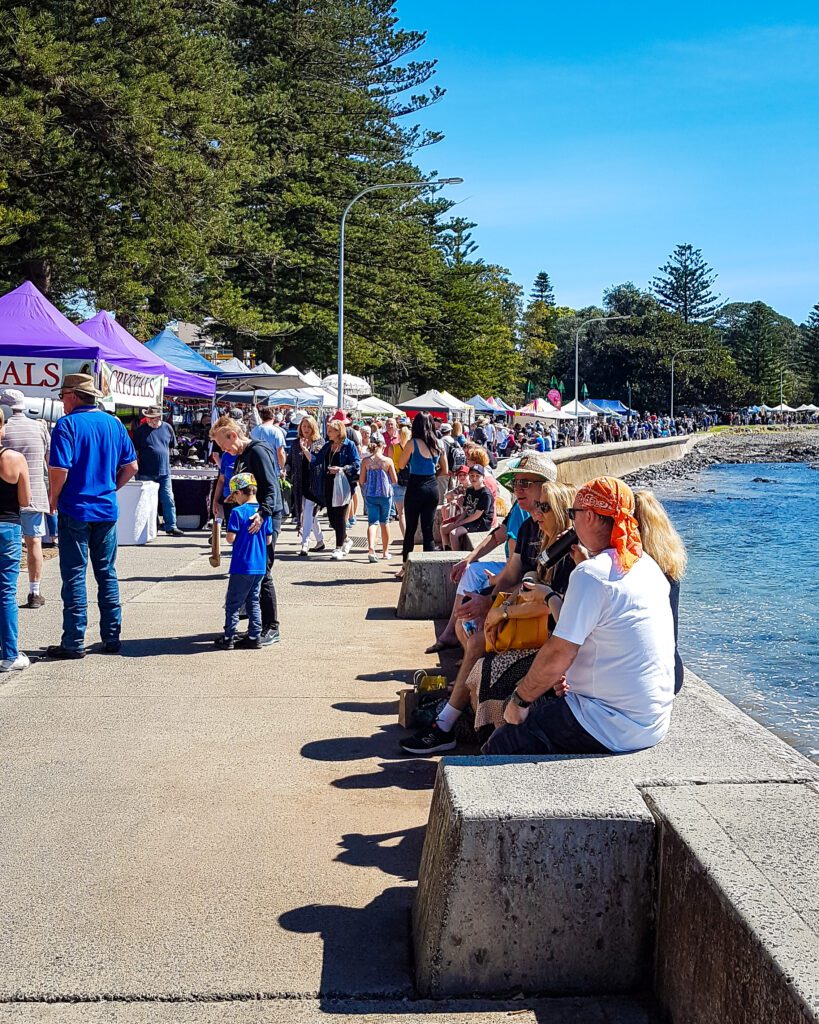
(555, 826)
(578, 465)
(426, 589)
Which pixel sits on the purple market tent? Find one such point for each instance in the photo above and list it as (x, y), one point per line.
(121, 349)
(30, 327)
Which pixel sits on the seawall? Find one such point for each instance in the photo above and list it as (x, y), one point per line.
(619, 458)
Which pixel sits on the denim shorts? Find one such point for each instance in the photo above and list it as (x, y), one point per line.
(33, 523)
(398, 492)
(378, 510)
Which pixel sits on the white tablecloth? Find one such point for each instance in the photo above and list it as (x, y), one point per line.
(138, 501)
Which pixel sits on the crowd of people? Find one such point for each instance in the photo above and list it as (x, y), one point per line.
(572, 654)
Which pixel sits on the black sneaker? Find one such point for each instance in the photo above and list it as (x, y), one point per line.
(61, 653)
(321, 547)
(112, 647)
(429, 741)
(269, 636)
(225, 642)
(174, 533)
(248, 643)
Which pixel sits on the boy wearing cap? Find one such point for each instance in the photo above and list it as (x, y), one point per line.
(248, 565)
(477, 511)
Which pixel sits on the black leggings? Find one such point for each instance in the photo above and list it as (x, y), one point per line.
(337, 514)
(420, 502)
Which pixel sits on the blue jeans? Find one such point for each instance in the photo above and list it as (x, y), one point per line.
(243, 591)
(166, 502)
(11, 551)
(78, 541)
(550, 728)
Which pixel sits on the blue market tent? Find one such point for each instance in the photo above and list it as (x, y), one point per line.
(480, 404)
(169, 347)
(607, 406)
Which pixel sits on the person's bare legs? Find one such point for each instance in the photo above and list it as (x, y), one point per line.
(455, 538)
(371, 531)
(399, 511)
(385, 540)
(34, 558)
(446, 529)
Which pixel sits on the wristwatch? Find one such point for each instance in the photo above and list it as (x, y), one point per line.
(517, 699)
(505, 615)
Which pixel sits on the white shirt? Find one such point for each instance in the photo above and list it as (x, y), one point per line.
(489, 430)
(272, 436)
(622, 680)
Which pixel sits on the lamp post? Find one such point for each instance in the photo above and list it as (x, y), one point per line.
(682, 352)
(592, 320)
(363, 192)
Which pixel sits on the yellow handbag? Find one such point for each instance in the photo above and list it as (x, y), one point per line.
(519, 634)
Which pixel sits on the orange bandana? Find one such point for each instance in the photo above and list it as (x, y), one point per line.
(611, 497)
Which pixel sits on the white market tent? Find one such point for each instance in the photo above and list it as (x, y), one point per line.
(312, 378)
(783, 408)
(234, 365)
(373, 406)
(455, 403)
(542, 410)
(808, 408)
(355, 386)
(581, 410)
(431, 401)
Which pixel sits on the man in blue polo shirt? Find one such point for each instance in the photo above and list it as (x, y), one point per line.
(91, 458)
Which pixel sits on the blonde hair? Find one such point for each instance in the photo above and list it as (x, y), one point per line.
(659, 538)
(226, 423)
(341, 427)
(457, 428)
(404, 434)
(314, 430)
(559, 498)
(478, 455)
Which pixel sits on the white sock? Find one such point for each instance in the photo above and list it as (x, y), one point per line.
(447, 718)
(34, 586)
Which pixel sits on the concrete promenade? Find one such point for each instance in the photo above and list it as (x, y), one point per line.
(198, 836)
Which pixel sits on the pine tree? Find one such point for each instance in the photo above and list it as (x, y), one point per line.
(123, 149)
(810, 354)
(542, 290)
(762, 343)
(686, 287)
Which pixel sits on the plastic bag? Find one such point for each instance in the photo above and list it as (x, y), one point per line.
(341, 490)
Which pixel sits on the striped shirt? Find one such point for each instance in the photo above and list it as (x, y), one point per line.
(32, 440)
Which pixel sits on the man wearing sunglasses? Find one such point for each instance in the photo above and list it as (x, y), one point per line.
(610, 658)
(528, 478)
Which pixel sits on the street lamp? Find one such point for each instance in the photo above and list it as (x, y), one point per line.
(682, 352)
(592, 320)
(363, 192)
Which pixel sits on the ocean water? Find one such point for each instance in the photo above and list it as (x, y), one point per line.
(749, 606)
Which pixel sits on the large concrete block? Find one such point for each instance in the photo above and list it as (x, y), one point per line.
(528, 888)
(738, 908)
(426, 590)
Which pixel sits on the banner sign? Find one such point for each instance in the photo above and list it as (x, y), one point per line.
(39, 378)
(125, 387)
(555, 397)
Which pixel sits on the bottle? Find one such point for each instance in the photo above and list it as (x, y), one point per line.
(561, 547)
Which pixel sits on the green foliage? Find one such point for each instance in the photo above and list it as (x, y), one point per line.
(542, 290)
(810, 354)
(685, 287)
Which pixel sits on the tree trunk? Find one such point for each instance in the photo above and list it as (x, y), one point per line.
(39, 273)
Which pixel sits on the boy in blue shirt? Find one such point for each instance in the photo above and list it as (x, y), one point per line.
(248, 565)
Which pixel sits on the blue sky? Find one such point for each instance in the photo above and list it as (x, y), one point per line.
(594, 137)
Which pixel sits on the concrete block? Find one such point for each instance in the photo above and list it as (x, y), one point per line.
(474, 540)
(738, 908)
(426, 590)
(528, 888)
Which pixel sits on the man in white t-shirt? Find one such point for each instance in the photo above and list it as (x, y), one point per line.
(610, 660)
(272, 435)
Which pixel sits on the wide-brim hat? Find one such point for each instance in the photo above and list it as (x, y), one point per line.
(532, 464)
(151, 410)
(340, 417)
(81, 383)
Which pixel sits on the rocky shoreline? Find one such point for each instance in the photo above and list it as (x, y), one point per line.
(742, 446)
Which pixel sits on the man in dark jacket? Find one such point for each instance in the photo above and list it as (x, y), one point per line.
(259, 459)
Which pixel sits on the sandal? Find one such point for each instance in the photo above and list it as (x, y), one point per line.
(437, 647)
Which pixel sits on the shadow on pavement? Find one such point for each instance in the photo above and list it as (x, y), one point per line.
(387, 707)
(397, 674)
(377, 614)
(366, 950)
(354, 581)
(411, 774)
(395, 853)
(196, 643)
(383, 743)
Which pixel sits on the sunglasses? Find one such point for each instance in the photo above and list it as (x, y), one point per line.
(543, 506)
(524, 485)
(572, 512)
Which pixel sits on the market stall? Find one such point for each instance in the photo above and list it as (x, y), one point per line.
(434, 403)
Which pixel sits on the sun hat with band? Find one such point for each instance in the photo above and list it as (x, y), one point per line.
(81, 384)
(608, 496)
(532, 464)
(13, 399)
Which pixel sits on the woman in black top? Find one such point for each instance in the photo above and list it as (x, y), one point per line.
(15, 493)
(303, 502)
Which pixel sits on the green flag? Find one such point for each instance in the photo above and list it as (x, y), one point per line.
(553, 382)
(585, 392)
(561, 388)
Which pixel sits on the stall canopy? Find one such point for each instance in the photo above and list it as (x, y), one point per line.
(544, 410)
(377, 406)
(31, 327)
(808, 408)
(578, 409)
(312, 378)
(455, 403)
(480, 404)
(234, 365)
(250, 381)
(608, 406)
(355, 386)
(782, 407)
(122, 349)
(430, 401)
(169, 347)
(499, 404)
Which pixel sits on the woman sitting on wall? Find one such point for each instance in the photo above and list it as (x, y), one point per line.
(495, 676)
